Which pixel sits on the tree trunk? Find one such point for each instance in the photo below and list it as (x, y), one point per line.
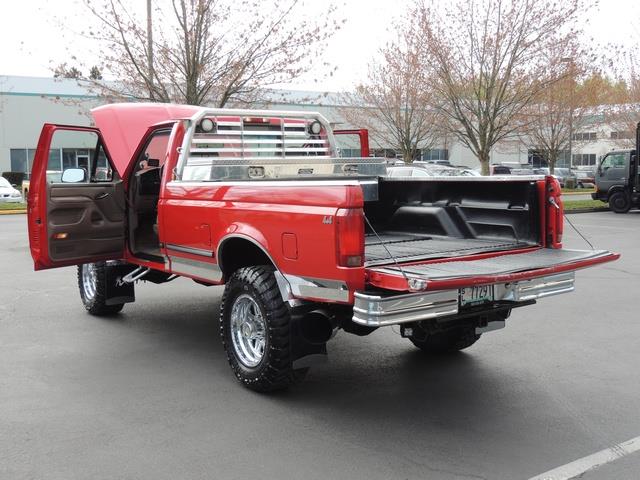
(483, 156)
(552, 162)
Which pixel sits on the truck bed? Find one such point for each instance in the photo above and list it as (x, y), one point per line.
(406, 247)
(420, 220)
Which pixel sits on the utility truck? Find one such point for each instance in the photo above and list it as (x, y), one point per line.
(618, 178)
(306, 242)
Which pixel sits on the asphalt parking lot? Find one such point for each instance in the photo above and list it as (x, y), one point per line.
(148, 393)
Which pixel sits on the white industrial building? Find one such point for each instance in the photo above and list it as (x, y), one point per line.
(26, 103)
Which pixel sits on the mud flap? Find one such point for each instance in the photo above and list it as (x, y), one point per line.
(305, 354)
(116, 291)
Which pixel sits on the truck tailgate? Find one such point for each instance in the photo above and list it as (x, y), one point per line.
(484, 269)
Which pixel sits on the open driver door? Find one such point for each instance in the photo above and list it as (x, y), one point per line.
(76, 204)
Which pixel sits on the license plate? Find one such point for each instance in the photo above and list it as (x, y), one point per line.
(475, 295)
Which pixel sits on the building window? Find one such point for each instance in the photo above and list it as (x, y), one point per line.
(19, 160)
(55, 160)
(349, 152)
(584, 159)
(536, 158)
(435, 154)
(625, 135)
(585, 136)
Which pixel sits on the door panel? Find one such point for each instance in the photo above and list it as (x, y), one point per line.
(73, 223)
(85, 220)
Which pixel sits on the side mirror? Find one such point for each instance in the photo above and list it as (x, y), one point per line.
(14, 185)
(74, 175)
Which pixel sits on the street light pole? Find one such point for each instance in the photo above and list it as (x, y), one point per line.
(569, 60)
(150, 47)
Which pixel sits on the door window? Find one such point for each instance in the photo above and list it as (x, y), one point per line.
(614, 160)
(78, 149)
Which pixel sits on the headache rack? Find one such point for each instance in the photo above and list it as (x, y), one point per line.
(234, 144)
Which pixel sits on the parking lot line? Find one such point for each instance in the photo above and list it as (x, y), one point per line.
(591, 462)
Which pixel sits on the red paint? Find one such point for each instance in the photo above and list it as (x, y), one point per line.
(37, 208)
(363, 136)
(554, 213)
(308, 230)
(124, 124)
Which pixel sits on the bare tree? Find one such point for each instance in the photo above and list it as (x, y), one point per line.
(623, 115)
(491, 60)
(207, 51)
(550, 122)
(395, 103)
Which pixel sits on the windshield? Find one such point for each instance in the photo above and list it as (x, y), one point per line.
(4, 182)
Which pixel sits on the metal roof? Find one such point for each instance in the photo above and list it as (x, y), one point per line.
(63, 87)
(68, 87)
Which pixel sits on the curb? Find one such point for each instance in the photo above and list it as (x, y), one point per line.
(12, 212)
(586, 210)
(586, 192)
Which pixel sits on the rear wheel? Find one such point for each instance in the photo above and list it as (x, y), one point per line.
(619, 202)
(92, 282)
(255, 326)
(445, 342)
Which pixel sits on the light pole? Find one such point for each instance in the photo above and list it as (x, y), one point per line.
(150, 45)
(569, 60)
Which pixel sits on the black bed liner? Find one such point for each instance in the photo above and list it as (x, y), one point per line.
(406, 247)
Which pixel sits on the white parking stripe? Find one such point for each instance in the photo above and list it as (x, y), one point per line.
(591, 462)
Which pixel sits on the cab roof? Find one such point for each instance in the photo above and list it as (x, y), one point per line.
(123, 125)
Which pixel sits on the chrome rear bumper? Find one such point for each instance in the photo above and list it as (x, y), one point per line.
(379, 311)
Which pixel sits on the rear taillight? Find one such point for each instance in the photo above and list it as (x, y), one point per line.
(350, 237)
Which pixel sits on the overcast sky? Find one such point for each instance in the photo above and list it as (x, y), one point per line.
(31, 39)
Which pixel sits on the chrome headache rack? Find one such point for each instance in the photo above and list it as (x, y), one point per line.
(234, 144)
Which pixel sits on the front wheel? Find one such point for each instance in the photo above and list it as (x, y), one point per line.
(445, 342)
(255, 326)
(619, 202)
(92, 282)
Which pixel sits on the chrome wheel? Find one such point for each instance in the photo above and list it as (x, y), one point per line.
(248, 329)
(89, 280)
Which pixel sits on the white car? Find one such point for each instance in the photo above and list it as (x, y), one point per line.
(8, 194)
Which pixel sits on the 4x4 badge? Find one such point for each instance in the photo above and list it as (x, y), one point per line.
(327, 220)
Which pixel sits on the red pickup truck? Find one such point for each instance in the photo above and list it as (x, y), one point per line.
(306, 242)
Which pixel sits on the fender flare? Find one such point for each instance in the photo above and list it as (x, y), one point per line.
(241, 233)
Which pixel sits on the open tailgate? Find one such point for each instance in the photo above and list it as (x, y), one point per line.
(484, 269)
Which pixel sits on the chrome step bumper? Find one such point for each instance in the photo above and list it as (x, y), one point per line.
(379, 311)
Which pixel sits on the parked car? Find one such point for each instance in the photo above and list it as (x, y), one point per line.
(52, 176)
(9, 193)
(585, 178)
(408, 172)
(436, 162)
(499, 170)
(565, 176)
(439, 170)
